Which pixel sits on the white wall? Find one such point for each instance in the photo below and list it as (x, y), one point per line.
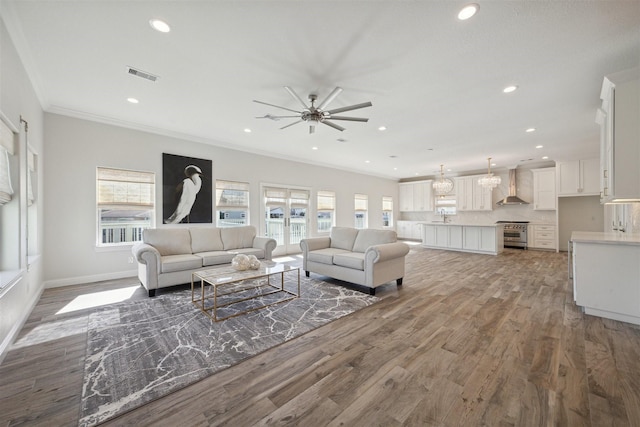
(18, 98)
(75, 147)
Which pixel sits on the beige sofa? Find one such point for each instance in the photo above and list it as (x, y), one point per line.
(168, 256)
(365, 257)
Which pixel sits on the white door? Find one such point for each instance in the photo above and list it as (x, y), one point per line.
(286, 217)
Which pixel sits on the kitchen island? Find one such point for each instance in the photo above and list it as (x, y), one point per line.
(606, 274)
(483, 239)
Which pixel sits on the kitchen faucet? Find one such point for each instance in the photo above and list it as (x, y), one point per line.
(444, 215)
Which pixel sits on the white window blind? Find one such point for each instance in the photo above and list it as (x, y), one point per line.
(118, 188)
(6, 150)
(326, 201)
(232, 194)
(299, 198)
(361, 202)
(275, 196)
(387, 203)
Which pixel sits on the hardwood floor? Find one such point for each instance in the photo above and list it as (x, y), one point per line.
(467, 340)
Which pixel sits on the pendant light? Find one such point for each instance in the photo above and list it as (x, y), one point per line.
(489, 181)
(444, 185)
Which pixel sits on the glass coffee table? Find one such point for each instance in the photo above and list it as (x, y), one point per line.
(232, 293)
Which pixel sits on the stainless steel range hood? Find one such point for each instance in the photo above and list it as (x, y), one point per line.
(512, 198)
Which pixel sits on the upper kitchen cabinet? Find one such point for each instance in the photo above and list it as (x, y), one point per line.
(578, 177)
(470, 196)
(416, 196)
(619, 120)
(544, 189)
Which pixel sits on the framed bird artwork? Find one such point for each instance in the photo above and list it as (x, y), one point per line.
(187, 187)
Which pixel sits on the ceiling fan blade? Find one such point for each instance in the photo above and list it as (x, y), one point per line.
(277, 106)
(295, 96)
(352, 119)
(291, 124)
(269, 116)
(352, 107)
(330, 98)
(333, 125)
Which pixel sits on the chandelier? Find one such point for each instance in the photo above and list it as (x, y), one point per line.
(489, 181)
(443, 185)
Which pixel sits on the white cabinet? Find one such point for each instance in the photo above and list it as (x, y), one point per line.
(416, 196)
(409, 230)
(466, 238)
(606, 277)
(544, 189)
(578, 177)
(619, 136)
(541, 236)
(470, 196)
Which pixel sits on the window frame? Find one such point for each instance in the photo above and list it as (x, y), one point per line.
(364, 207)
(222, 185)
(387, 207)
(146, 202)
(325, 208)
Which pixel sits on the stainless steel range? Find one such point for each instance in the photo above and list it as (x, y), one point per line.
(515, 234)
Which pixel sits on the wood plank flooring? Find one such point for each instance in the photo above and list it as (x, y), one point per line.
(467, 340)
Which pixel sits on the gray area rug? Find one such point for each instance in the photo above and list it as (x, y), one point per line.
(141, 350)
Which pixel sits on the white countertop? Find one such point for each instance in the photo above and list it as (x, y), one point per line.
(606, 238)
(460, 224)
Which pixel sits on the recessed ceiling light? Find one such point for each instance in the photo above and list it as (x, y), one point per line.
(539, 146)
(382, 128)
(417, 174)
(493, 164)
(133, 100)
(530, 130)
(160, 25)
(247, 130)
(545, 158)
(510, 89)
(448, 170)
(341, 140)
(468, 11)
(395, 169)
(367, 161)
(314, 148)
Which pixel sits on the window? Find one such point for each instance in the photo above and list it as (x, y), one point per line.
(326, 211)
(232, 203)
(126, 205)
(446, 205)
(387, 211)
(361, 207)
(6, 149)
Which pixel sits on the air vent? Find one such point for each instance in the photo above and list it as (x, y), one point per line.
(143, 74)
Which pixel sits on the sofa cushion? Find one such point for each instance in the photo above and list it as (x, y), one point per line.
(238, 237)
(168, 241)
(343, 237)
(206, 239)
(215, 257)
(180, 262)
(369, 237)
(259, 253)
(353, 260)
(325, 256)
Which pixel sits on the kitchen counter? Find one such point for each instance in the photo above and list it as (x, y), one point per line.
(606, 274)
(477, 238)
(611, 238)
(461, 224)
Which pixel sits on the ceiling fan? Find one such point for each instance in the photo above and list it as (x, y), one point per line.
(314, 115)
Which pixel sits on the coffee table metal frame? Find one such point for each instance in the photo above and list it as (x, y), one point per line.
(228, 278)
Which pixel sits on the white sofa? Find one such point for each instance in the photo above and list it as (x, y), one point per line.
(365, 257)
(168, 256)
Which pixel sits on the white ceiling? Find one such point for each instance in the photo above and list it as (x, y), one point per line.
(435, 82)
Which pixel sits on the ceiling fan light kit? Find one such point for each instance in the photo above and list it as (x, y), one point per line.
(312, 114)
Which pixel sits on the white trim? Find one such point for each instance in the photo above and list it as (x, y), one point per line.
(69, 281)
(17, 327)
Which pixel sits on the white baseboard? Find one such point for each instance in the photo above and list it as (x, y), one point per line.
(89, 279)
